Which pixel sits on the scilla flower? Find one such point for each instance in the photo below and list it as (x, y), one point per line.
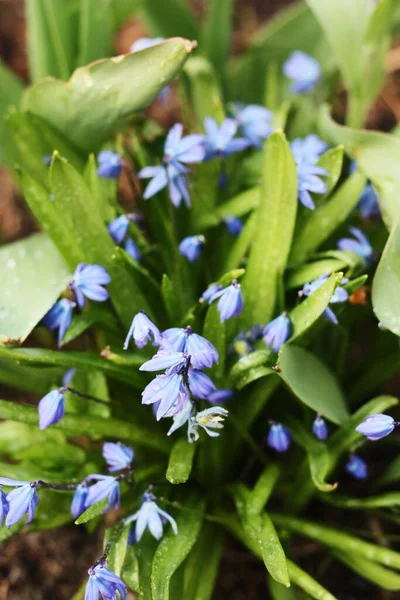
(277, 332)
(220, 141)
(255, 122)
(150, 516)
(357, 467)
(220, 396)
(230, 303)
(88, 282)
(51, 408)
(360, 245)
(191, 246)
(118, 228)
(131, 248)
(320, 428)
(117, 456)
(279, 437)
(171, 393)
(201, 385)
(209, 419)
(174, 361)
(303, 70)
(308, 180)
(340, 295)
(368, 203)
(106, 486)
(234, 225)
(376, 427)
(21, 500)
(308, 149)
(104, 584)
(202, 352)
(59, 317)
(142, 331)
(4, 506)
(110, 164)
(210, 292)
(78, 504)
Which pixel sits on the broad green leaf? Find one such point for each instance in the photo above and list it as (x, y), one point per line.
(123, 10)
(169, 19)
(241, 244)
(381, 577)
(215, 332)
(305, 314)
(95, 30)
(93, 511)
(386, 284)
(310, 271)
(93, 383)
(11, 88)
(261, 530)
(87, 109)
(253, 374)
(203, 90)
(29, 379)
(16, 437)
(387, 500)
(51, 39)
(276, 214)
(326, 218)
(52, 455)
(312, 382)
(130, 571)
(180, 462)
(168, 295)
(260, 394)
(104, 191)
(145, 551)
(31, 268)
(201, 567)
(217, 33)
(117, 536)
(258, 358)
(76, 425)
(173, 549)
(338, 540)
(258, 497)
(377, 155)
(307, 583)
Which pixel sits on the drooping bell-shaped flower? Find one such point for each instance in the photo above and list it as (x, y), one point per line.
(51, 408)
(357, 467)
(203, 353)
(110, 164)
(151, 517)
(233, 224)
(230, 301)
(368, 203)
(320, 428)
(279, 437)
(277, 332)
(117, 456)
(142, 330)
(190, 247)
(103, 583)
(106, 486)
(23, 499)
(59, 317)
(377, 426)
(78, 504)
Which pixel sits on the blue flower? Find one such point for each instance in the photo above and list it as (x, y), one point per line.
(110, 164)
(201, 385)
(320, 428)
(174, 361)
(171, 393)
(279, 437)
(118, 228)
(234, 225)
(202, 352)
(118, 456)
(191, 246)
(209, 419)
(230, 303)
(4, 506)
(132, 249)
(47, 158)
(106, 487)
(220, 396)
(303, 70)
(181, 418)
(151, 517)
(145, 42)
(360, 245)
(142, 330)
(88, 282)
(23, 499)
(210, 292)
(277, 332)
(255, 122)
(308, 181)
(368, 202)
(357, 467)
(51, 408)
(220, 140)
(59, 317)
(78, 504)
(377, 426)
(68, 376)
(178, 151)
(308, 149)
(104, 583)
(340, 295)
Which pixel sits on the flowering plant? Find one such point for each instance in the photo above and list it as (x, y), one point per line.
(193, 319)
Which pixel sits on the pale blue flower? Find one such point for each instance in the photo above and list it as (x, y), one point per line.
(308, 180)
(171, 393)
(303, 70)
(4, 506)
(145, 42)
(308, 149)
(181, 418)
(132, 249)
(220, 141)
(78, 504)
(320, 428)
(279, 437)
(88, 282)
(230, 303)
(104, 584)
(191, 246)
(166, 360)
(150, 517)
(377, 426)
(118, 228)
(142, 330)
(210, 292)
(233, 224)
(59, 317)
(106, 486)
(203, 353)
(51, 408)
(110, 164)
(21, 500)
(357, 467)
(340, 295)
(220, 396)
(360, 245)
(117, 456)
(209, 419)
(255, 122)
(277, 332)
(201, 385)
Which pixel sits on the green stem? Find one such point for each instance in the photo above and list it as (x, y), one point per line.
(355, 111)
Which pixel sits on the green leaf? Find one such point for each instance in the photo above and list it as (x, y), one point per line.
(215, 332)
(173, 549)
(117, 536)
(29, 379)
(130, 571)
(307, 583)
(95, 30)
(93, 511)
(258, 497)
(203, 91)
(34, 269)
(261, 530)
(145, 551)
(326, 218)
(11, 88)
(310, 271)
(249, 362)
(16, 437)
(387, 500)
(217, 33)
(50, 39)
(276, 214)
(168, 294)
(104, 191)
(312, 383)
(305, 314)
(167, 20)
(87, 109)
(383, 578)
(201, 566)
(386, 284)
(77, 425)
(241, 244)
(180, 462)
